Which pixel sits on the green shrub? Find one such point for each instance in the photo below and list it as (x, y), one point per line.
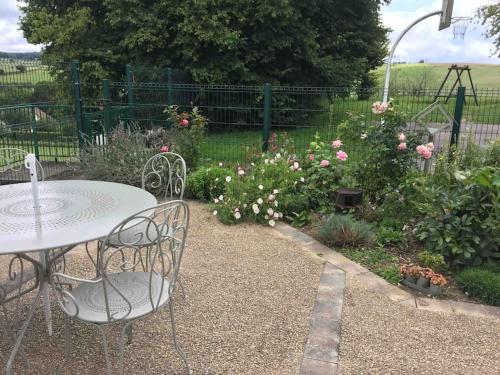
(483, 283)
(189, 131)
(434, 261)
(343, 230)
(208, 183)
(460, 214)
(382, 165)
(390, 273)
(121, 160)
(257, 192)
(387, 235)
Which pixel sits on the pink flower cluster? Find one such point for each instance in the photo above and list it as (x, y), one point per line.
(164, 148)
(337, 143)
(425, 150)
(184, 122)
(379, 108)
(402, 142)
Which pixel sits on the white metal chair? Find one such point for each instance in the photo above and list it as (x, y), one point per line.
(134, 280)
(163, 175)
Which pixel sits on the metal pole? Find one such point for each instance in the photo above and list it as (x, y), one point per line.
(169, 86)
(267, 117)
(130, 92)
(106, 91)
(77, 96)
(393, 49)
(457, 118)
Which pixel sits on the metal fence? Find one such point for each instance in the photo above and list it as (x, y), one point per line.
(46, 109)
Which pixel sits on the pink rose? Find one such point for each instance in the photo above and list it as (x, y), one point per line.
(164, 148)
(379, 108)
(402, 137)
(421, 149)
(311, 157)
(324, 163)
(402, 146)
(430, 146)
(337, 143)
(341, 155)
(184, 122)
(427, 154)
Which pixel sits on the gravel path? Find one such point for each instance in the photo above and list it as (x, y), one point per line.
(249, 294)
(382, 337)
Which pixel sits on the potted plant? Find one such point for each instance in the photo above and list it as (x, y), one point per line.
(410, 273)
(424, 277)
(438, 282)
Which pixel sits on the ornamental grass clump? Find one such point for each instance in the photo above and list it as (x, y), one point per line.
(343, 230)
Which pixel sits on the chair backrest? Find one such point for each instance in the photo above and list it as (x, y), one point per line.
(12, 165)
(156, 266)
(165, 174)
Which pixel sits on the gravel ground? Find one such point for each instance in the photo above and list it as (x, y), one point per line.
(249, 294)
(383, 337)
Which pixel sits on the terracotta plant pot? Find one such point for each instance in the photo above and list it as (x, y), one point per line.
(411, 279)
(423, 282)
(436, 290)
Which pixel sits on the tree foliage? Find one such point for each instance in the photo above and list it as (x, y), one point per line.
(490, 14)
(314, 42)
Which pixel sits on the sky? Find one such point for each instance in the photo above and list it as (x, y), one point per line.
(423, 42)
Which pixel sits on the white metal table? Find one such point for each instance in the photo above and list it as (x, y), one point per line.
(70, 212)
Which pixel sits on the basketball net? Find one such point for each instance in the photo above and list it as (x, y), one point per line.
(460, 25)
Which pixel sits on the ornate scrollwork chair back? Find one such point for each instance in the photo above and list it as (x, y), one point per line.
(12, 160)
(164, 174)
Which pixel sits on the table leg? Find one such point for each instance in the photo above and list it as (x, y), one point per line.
(46, 306)
(20, 335)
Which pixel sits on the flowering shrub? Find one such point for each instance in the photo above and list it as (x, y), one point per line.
(261, 192)
(387, 152)
(207, 183)
(189, 129)
(324, 169)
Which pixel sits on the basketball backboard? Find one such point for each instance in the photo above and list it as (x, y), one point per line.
(447, 11)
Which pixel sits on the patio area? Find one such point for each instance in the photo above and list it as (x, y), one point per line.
(249, 294)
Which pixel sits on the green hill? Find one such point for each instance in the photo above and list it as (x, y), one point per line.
(431, 75)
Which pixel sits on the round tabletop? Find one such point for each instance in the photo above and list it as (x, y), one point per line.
(71, 212)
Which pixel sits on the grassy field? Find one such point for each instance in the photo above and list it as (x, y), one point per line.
(484, 76)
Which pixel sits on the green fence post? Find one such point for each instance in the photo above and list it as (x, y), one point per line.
(77, 97)
(457, 118)
(130, 92)
(267, 117)
(106, 93)
(169, 87)
(34, 135)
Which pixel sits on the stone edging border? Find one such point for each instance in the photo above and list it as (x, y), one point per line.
(321, 351)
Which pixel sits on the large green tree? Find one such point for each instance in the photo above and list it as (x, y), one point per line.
(313, 42)
(490, 15)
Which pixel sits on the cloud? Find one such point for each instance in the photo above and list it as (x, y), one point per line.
(12, 39)
(424, 41)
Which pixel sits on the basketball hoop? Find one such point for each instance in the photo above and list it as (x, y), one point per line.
(460, 25)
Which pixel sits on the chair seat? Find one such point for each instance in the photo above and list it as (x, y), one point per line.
(134, 286)
(142, 234)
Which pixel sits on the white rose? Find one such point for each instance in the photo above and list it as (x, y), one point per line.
(237, 215)
(272, 222)
(221, 197)
(228, 178)
(275, 191)
(260, 187)
(270, 211)
(215, 212)
(260, 201)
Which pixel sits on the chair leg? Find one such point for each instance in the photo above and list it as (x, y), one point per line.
(126, 331)
(105, 347)
(67, 344)
(176, 344)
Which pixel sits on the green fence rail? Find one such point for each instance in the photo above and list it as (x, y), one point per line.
(51, 112)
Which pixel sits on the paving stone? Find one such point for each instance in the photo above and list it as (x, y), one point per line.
(395, 293)
(474, 309)
(372, 282)
(315, 367)
(324, 326)
(409, 302)
(327, 309)
(322, 348)
(436, 305)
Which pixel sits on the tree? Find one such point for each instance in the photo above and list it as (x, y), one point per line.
(490, 14)
(313, 42)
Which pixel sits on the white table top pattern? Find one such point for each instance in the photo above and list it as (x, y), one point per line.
(71, 212)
